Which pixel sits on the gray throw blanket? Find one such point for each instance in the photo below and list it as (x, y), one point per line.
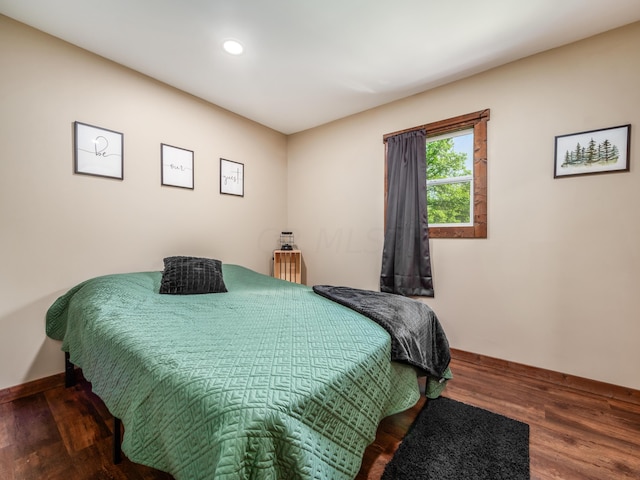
(417, 338)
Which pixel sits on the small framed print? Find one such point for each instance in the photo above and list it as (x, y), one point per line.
(98, 151)
(176, 166)
(231, 177)
(595, 151)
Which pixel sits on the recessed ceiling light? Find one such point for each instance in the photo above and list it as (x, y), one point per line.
(233, 47)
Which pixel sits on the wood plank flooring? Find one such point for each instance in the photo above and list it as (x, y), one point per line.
(65, 434)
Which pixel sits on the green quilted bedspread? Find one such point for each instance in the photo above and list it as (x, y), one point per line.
(266, 381)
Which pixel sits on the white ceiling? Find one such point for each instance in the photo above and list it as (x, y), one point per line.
(307, 63)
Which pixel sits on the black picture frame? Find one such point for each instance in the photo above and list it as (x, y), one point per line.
(98, 151)
(176, 167)
(231, 177)
(606, 150)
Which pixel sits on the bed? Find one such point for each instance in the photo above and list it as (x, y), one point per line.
(266, 380)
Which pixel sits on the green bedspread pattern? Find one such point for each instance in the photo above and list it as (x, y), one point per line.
(266, 381)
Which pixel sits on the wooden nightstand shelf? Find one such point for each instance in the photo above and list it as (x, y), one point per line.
(287, 265)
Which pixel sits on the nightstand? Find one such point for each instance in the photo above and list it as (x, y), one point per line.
(287, 265)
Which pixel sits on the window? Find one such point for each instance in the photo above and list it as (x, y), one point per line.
(450, 179)
(456, 176)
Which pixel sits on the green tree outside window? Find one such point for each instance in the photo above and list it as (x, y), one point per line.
(448, 183)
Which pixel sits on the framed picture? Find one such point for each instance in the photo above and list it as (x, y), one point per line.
(98, 151)
(596, 151)
(176, 166)
(231, 177)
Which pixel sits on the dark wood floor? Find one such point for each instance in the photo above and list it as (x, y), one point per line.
(65, 434)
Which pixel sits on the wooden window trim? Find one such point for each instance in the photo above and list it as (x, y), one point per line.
(478, 121)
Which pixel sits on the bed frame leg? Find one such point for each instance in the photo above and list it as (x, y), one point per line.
(117, 452)
(70, 381)
(69, 371)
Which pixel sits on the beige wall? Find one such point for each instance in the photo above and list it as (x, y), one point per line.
(57, 228)
(557, 282)
(555, 285)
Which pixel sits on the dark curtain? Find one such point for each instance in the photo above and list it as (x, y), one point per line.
(406, 262)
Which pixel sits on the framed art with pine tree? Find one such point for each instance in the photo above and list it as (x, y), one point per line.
(595, 151)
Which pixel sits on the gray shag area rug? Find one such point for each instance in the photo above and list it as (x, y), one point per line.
(450, 440)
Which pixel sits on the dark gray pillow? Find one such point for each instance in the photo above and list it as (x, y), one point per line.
(192, 275)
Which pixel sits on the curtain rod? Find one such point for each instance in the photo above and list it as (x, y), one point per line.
(460, 120)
